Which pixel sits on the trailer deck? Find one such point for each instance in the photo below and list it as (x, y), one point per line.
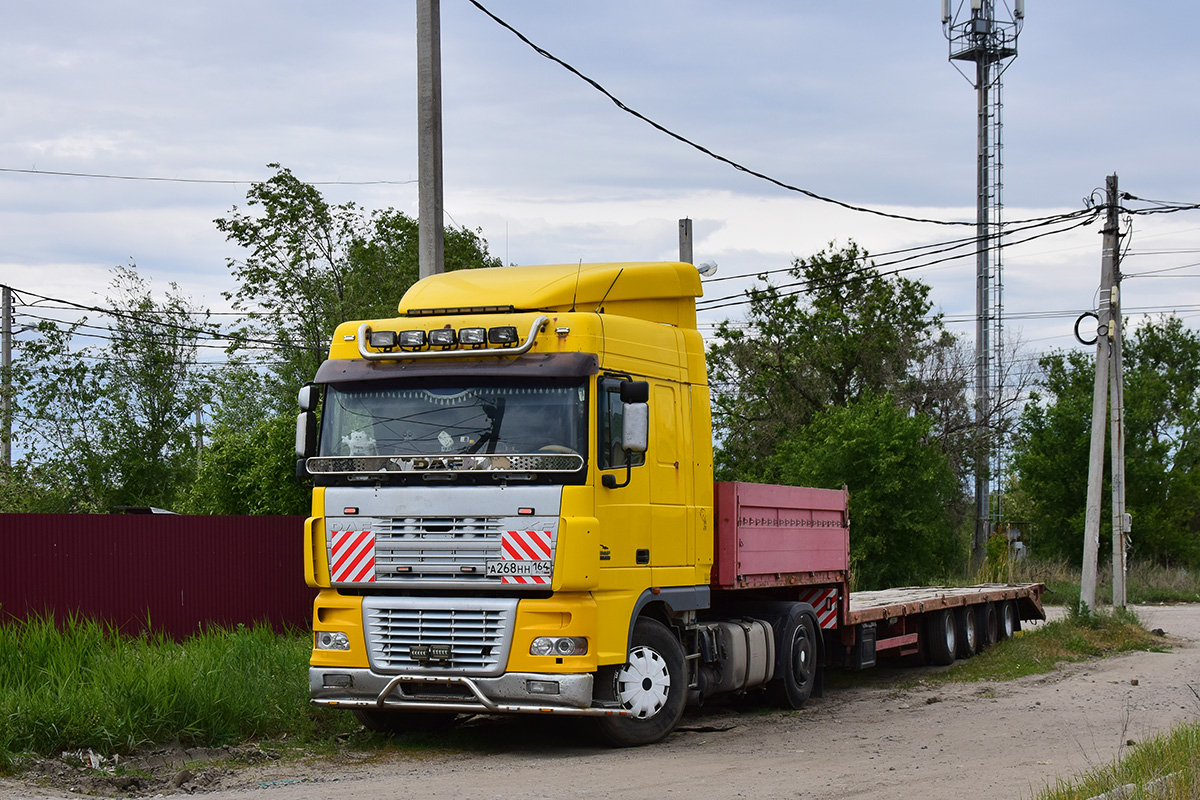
(891, 603)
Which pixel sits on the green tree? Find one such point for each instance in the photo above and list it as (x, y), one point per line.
(1050, 457)
(248, 464)
(112, 424)
(1162, 411)
(308, 266)
(901, 487)
(838, 331)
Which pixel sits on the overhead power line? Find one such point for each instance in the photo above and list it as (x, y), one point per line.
(230, 182)
(244, 342)
(711, 154)
(869, 267)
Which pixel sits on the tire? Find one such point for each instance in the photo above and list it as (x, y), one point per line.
(941, 636)
(1007, 623)
(652, 685)
(987, 617)
(394, 723)
(967, 631)
(796, 661)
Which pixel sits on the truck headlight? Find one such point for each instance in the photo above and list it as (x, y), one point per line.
(559, 646)
(332, 640)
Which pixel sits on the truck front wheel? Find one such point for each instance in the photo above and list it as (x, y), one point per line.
(651, 686)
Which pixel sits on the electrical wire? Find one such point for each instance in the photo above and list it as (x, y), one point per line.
(683, 139)
(197, 331)
(236, 182)
(871, 268)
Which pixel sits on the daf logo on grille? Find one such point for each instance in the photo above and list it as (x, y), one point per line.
(430, 653)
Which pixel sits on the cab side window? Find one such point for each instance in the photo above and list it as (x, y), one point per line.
(611, 452)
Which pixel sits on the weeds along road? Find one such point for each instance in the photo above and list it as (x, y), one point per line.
(976, 740)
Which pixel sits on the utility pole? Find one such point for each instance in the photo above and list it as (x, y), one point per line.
(1120, 519)
(990, 42)
(1104, 333)
(431, 244)
(6, 333)
(685, 241)
(199, 437)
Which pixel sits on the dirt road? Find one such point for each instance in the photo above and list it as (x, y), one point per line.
(980, 740)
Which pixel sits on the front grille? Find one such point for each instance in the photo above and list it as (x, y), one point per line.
(436, 547)
(434, 550)
(477, 631)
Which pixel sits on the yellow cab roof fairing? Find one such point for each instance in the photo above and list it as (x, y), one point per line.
(656, 291)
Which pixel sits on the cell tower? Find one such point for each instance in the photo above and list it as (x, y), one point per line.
(976, 34)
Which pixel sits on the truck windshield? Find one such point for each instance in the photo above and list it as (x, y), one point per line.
(454, 425)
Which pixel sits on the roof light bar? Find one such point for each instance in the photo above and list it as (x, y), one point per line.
(447, 338)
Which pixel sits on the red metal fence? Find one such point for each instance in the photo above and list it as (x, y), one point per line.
(171, 574)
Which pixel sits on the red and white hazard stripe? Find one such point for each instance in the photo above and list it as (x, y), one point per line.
(352, 556)
(526, 546)
(825, 603)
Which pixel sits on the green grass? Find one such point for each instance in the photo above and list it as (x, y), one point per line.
(79, 685)
(1145, 583)
(1166, 767)
(1074, 638)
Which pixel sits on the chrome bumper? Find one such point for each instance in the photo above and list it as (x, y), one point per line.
(506, 694)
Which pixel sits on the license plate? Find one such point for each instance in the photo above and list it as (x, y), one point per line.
(519, 568)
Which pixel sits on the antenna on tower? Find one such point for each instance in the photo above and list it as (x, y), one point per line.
(976, 33)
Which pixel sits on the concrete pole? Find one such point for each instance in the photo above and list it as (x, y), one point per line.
(1091, 525)
(429, 137)
(685, 241)
(1117, 412)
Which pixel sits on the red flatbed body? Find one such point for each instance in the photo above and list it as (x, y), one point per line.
(775, 538)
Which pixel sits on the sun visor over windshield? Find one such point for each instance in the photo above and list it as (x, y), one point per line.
(545, 365)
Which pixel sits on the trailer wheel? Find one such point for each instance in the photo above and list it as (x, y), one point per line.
(796, 662)
(397, 722)
(941, 635)
(651, 686)
(1008, 619)
(967, 631)
(987, 617)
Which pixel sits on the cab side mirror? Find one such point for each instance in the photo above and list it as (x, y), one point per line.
(308, 397)
(635, 428)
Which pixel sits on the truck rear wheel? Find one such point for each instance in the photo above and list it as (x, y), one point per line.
(382, 720)
(796, 662)
(1008, 619)
(942, 638)
(988, 618)
(651, 686)
(967, 631)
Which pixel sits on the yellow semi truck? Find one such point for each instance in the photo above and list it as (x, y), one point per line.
(513, 512)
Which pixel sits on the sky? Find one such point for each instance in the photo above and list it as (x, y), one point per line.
(855, 101)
